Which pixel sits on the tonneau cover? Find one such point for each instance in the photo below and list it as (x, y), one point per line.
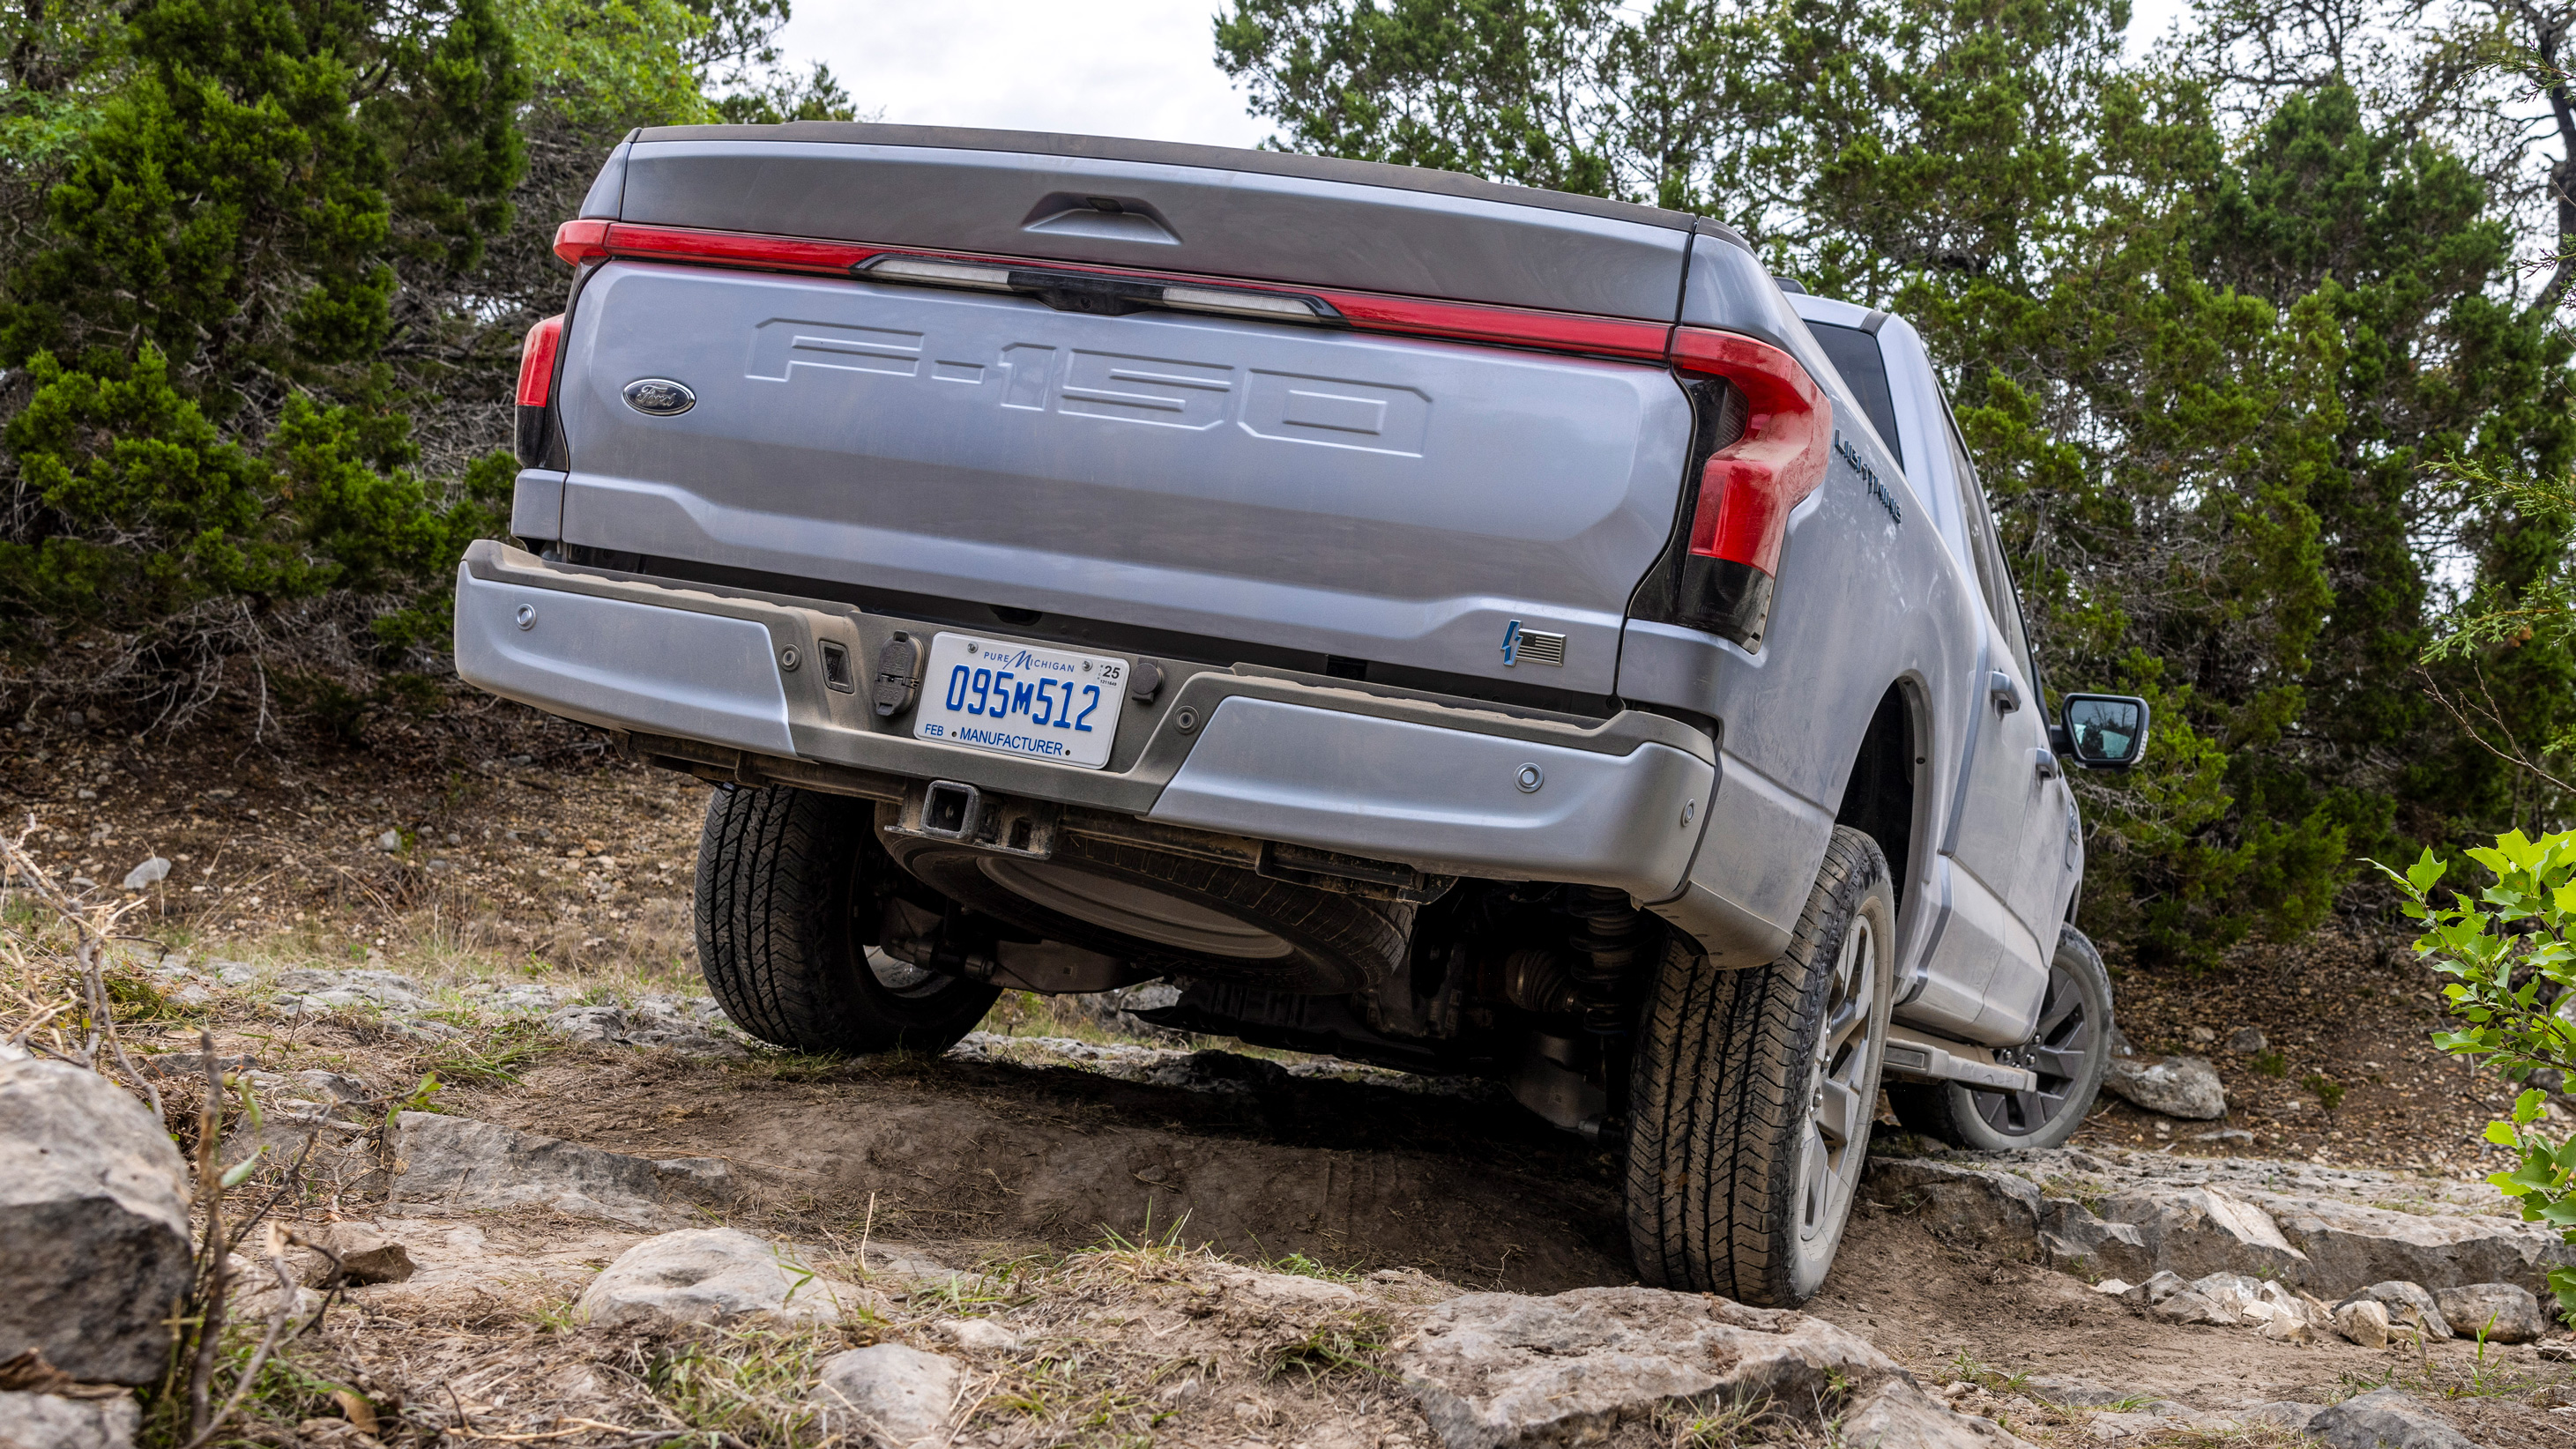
(1253, 214)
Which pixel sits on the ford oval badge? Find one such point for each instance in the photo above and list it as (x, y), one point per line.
(660, 397)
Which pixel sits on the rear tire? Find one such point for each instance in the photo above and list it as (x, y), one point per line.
(790, 891)
(2070, 1051)
(1753, 1092)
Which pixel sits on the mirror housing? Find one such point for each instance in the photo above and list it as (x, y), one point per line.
(2102, 731)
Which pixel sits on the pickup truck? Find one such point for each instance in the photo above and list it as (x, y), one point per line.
(1442, 624)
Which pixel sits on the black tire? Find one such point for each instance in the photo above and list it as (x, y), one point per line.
(1737, 1184)
(788, 895)
(2070, 1051)
(1216, 921)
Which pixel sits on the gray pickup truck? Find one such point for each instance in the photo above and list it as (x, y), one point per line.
(1442, 624)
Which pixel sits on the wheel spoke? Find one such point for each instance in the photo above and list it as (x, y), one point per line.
(2053, 1062)
(1815, 1184)
(1836, 1112)
(2063, 1001)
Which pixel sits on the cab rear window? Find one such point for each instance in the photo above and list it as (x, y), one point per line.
(1855, 355)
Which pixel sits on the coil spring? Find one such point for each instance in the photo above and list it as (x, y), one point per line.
(1605, 952)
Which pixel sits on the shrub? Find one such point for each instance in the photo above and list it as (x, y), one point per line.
(2511, 966)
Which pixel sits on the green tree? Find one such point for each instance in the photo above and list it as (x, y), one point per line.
(2204, 324)
(210, 430)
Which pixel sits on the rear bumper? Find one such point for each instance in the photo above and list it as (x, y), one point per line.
(1442, 784)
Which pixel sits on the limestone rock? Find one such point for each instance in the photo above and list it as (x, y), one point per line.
(1496, 1369)
(2184, 1087)
(93, 1224)
(2188, 1306)
(43, 1421)
(1989, 1209)
(2503, 1312)
(2348, 1244)
(2410, 1305)
(1896, 1412)
(665, 1021)
(2287, 1413)
(900, 1272)
(2163, 1285)
(335, 1088)
(897, 1395)
(706, 1275)
(2285, 1328)
(2073, 1240)
(464, 1163)
(2246, 1040)
(2233, 1293)
(364, 1254)
(2364, 1321)
(311, 989)
(977, 1333)
(2384, 1419)
(2200, 1230)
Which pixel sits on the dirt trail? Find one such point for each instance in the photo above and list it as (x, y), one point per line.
(979, 1156)
(1345, 1173)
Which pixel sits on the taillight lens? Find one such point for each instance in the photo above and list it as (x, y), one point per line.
(584, 239)
(536, 389)
(1748, 486)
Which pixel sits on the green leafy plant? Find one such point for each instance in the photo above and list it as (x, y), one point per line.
(2506, 952)
(2272, 1063)
(2329, 1092)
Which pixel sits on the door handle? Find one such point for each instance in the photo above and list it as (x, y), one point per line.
(2001, 688)
(2045, 760)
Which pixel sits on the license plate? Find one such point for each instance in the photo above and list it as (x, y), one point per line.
(1044, 704)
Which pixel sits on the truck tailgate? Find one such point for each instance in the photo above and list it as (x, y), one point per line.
(1377, 498)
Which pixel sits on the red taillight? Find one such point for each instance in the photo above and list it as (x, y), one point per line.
(1749, 486)
(537, 362)
(582, 240)
(1505, 326)
(530, 437)
(578, 242)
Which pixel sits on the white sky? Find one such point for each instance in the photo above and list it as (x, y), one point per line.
(1138, 68)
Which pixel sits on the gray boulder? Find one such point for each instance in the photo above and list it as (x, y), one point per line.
(2384, 1419)
(707, 1275)
(2184, 1087)
(1496, 1369)
(2348, 1244)
(2198, 1231)
(2246, 1040)
(43, 1421)
(93, 1225)
(464, 1163)
(895, 1394)
(356, 1254)
(2407, 1304)
(2364, 1321)
(2501, 1312)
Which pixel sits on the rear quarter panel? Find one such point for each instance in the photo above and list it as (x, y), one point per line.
(1869, 596)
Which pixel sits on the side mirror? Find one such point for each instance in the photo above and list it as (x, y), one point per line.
(2104, 731)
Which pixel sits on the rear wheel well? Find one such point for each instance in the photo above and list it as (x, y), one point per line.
(1878, 797)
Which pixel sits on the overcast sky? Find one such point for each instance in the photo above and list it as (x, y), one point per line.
(1140, 68)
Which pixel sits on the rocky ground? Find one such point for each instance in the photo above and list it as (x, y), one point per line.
(453, 973)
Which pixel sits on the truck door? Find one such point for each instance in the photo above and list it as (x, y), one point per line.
(2002, 846)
